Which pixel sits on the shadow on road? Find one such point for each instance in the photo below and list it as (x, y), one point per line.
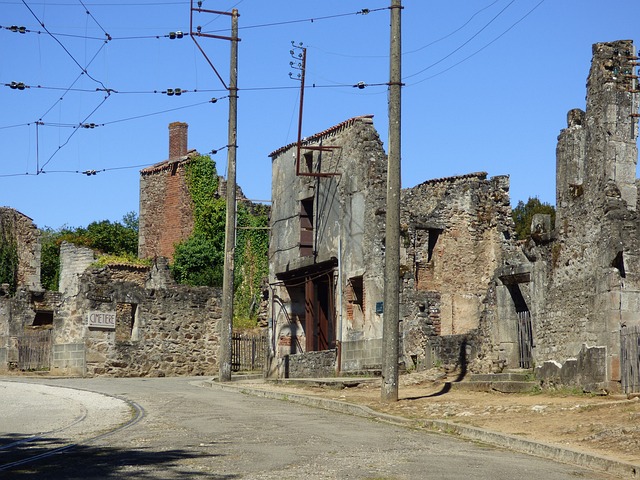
(53, 458)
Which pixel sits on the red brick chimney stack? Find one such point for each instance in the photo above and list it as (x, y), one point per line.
(177, 139)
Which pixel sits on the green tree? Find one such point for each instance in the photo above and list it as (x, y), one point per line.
(199, 260)
(112, 238)
(524, 212)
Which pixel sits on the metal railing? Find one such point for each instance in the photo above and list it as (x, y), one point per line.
(248, 351)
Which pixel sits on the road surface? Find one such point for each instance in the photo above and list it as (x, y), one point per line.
(176, 428)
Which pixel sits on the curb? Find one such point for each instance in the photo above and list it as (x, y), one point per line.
(510, 442)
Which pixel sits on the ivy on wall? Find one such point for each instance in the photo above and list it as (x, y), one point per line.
(199, 260)
(9, 264)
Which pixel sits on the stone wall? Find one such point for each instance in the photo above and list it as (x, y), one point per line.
(312, 364)
(19, 230)
(456, 232)
(158, 332)
(585, 279)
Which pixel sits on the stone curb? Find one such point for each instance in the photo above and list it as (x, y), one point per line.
(510, 442)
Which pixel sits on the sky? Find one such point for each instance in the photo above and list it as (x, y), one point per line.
(487, 86)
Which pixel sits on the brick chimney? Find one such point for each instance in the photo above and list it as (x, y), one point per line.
(177, 139)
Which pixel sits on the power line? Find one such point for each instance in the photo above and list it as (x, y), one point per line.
(484, 47)
(454, 31)
(95, 20)
(364, 11)
(83, 69)
(73, 133)
(463, 44)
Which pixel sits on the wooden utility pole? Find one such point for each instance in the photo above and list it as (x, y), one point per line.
(390, 334)
(230, 230)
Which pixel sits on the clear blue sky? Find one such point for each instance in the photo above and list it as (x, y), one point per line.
(488, 86)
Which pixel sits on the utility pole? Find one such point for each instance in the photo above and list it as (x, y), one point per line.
(390, 333)
(230, 230)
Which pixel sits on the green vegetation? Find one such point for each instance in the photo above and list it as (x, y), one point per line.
(110, 238)
(199, 260)
(524, 212)
(9, 264)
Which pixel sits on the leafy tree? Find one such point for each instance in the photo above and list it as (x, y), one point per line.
(524, 212)
(199, 260)
(108, 237)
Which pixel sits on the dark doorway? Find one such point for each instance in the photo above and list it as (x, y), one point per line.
(319, 324)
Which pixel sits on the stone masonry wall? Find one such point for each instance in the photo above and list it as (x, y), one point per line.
(586, 280)
(158, 331)
(19, 230)
(456, 231)
(312, 364)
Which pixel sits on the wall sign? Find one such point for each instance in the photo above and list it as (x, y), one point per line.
(102, 320)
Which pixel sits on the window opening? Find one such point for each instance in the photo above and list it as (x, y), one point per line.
(125, 321)
(306, 227)
(434, 234)
(43, 318)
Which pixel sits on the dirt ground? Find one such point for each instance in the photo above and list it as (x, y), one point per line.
(606, 425)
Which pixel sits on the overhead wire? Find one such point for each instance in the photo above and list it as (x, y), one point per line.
(466, 42)
(83, 69)
(482, 48)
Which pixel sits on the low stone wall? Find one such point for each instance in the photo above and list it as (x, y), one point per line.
(455, 352)
(312, 364)
(588, 371)
(176, 334)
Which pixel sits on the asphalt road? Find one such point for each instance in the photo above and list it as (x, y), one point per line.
(176, 428)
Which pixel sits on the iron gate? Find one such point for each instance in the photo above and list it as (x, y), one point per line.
(525, 339)
(34, 350)
(248, 351)
(630, 358)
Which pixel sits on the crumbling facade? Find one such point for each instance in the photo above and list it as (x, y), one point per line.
(166, 208)
(327, 258)
(19, 235)
(326, 251)
(584, 285)
(456, 232)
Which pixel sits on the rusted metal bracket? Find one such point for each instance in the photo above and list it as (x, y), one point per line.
(301, 58)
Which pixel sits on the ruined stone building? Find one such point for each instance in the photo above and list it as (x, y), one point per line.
(166, 210)
(326, 252)
(566, 301)
(457, 231)
(20, 239)
(583, 283)
(327, 256)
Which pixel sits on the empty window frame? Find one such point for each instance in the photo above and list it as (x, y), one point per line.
(306, 227)
(126, 314)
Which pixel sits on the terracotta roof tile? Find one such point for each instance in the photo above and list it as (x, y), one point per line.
(319, 136)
